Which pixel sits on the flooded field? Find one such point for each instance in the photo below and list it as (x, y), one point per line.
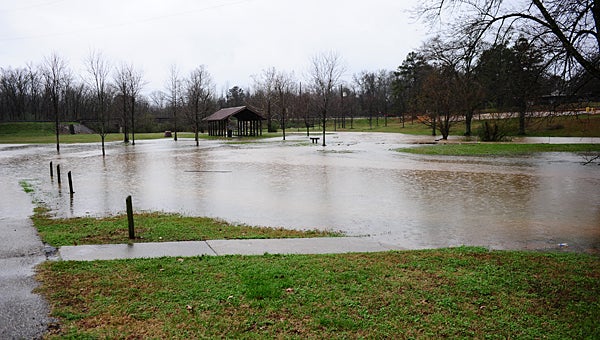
(356, 184)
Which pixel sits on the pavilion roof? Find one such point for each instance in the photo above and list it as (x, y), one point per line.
(239, 112)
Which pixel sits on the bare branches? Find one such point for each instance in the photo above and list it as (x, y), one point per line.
(199, 93)
(326, 70)
(98, 69)
(57, 78)
(566, 29)
(129, 82)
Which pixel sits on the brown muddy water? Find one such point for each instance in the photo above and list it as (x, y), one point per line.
(356, 184)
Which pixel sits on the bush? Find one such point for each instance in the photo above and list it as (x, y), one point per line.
(491, 132)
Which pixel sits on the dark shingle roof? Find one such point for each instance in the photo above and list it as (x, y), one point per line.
(232, 111)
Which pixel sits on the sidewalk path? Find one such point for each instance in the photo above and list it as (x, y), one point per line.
(23, 314)
(327, 245)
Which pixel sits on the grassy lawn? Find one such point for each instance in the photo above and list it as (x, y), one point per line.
(446, 293)
(562, 126)
(152, 227)
(498, 149)
(43, 133)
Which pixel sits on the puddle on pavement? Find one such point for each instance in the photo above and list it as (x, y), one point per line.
(356, 184)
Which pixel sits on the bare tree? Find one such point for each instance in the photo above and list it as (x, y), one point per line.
(284, 86)
(200, 91)
(264, 88)
(174, 95)
(326, 70)
(457, 59)
(98, 69)
(567, 30)
(57, 77)
(129, 82)
(35, 88)
(438, 95)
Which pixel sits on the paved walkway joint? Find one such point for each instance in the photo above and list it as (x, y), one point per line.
(326, 245)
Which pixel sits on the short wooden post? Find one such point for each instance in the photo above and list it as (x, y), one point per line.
(51, 170)
(70, 183)
(130, 217)
(58, 172)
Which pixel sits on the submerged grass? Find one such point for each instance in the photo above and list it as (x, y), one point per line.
(497, 149)
(455, 293)
(152, 227)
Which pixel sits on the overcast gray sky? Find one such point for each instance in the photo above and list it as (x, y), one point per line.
(235, 39)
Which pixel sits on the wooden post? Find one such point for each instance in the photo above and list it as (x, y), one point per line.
(70, 183)
(51, 170)
(130, 217)
(58, 172)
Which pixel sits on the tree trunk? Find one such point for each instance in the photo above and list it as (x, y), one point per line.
(57, 128)
(125, 123)
(468, 121)
(132, 120)
(324, 122)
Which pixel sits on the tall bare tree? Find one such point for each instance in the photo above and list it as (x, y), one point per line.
(129, 82)
(174, 89)
(264, 88)
(98, 69)
(57, 77)
(200, 92)
(326, 70)
(284, 86)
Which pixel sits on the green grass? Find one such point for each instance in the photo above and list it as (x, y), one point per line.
(446, 293)
(394, 125)
(43, 133)
(498, 149)
(152, 227)
(27, 187)
(563, 126)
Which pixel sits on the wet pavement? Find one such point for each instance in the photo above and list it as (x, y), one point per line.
(23, 314)
(332, 245)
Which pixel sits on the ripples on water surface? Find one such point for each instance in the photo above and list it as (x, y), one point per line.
(356, 184)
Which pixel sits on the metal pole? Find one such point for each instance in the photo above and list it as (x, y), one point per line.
(130, 217)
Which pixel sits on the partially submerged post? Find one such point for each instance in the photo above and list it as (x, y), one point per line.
(71, 192)
(130, 217)
(58, 172)
(51, 170)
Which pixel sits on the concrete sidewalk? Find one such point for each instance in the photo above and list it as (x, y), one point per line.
(327, 245)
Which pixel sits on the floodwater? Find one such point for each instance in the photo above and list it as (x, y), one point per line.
(356, 184)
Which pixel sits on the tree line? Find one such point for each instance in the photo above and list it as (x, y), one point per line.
(495, 59)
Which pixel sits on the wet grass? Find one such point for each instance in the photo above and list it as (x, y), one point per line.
(152, 227)
(582, 125)
(498, 149)
(43, 133)
(446, 293)
(27, 186)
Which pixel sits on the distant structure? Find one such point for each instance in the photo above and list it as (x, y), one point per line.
(238, 121)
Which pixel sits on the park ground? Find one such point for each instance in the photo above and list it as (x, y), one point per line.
(455, 292)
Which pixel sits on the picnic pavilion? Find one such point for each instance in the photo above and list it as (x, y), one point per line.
(240, 121)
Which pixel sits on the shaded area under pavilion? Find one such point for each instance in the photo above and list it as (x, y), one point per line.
(239, 121)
